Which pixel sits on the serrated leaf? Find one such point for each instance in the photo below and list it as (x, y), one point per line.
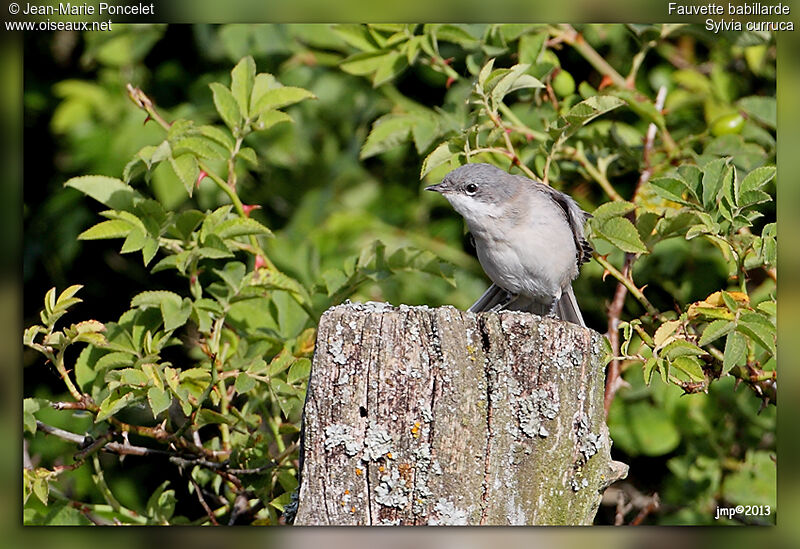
(249, 155)
(671, 188)
(110, 191)
(159, 399)
(227, 107)
(647, 369)
(757, 178)
(299, 371)
(242, 80)
(113, 228)
(218, 135)
(278, 98)
(506, 82)
(715, 330)
(735, 351)
(268, 119)
(201, 147)
(483, 76)
(763, 109)
(135, 241)
(392, 64)
(241, 226)
(187, 170)
(154, 298)
(175, 314)
(210, 417)
(244, 383)
(681, 347)
(362, 64)
(615, 208)
(664, 332)
(112, 404)
(691, 366)
(620, 232)
(436, 158)
(759, 328)
(713, 174)
(387, 132)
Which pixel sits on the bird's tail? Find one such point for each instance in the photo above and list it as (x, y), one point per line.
(498, 299)
(567, 308)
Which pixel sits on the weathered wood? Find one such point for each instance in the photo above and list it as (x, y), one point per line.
(438, 416)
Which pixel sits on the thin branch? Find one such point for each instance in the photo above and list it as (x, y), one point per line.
(636, 292)
(613, 379)
(568, 34)
(203, 503)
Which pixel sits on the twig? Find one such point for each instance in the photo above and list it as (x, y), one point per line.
(613, 379)
(568, 34)
(203, 503)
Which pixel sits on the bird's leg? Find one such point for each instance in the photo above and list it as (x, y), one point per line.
(507, 300)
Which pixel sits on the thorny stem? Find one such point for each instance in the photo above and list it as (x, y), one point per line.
(567, 33)
(628, 283)
(493, 116)
(578, 155)
(613, 379)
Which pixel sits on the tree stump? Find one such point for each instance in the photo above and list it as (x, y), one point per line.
(437, 416)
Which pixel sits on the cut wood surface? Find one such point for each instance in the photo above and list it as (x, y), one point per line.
(431, 416)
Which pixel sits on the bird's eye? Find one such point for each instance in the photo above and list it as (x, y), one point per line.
(471, 189)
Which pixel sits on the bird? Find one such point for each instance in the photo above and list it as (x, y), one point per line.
(528, 236)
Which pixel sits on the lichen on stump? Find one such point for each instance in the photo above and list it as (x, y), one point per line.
(431, 416)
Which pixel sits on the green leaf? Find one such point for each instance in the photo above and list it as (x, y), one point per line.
(483, 76)
(110, 191)
(615, 208)
(154, 298)
(763, 109)
(159, 399)
(735, 351)
(268, 119)
(299, 371)
(455, 34)
(438, 156)
(691, 366)
(227, 107)
(356, 35)
(284, 96)
(218, 135)
(187, 170)
(648, 367)
(29, 407)
(392, 64)
(713, 175)
(210, 417)
(362, 64)
(244, 383)
(113, 403)
(715, 330)
(757, 178)
(241, 226)
(759, 328)
(281, 501)
(242, 80)
(515, 79)
(161, 504)
(620, 232)
(175, 314)
(113, 228)
(672, 189)
(681, 347)
(387, 132)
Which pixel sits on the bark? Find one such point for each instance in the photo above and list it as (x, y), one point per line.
(437, 416)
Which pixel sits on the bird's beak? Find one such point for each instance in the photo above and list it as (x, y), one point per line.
(435, 188)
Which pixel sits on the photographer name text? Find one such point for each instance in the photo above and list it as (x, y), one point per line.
(103, 8)
(745, 10)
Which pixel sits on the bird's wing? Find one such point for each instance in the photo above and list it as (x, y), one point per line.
(576, 219)
(490, 299)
